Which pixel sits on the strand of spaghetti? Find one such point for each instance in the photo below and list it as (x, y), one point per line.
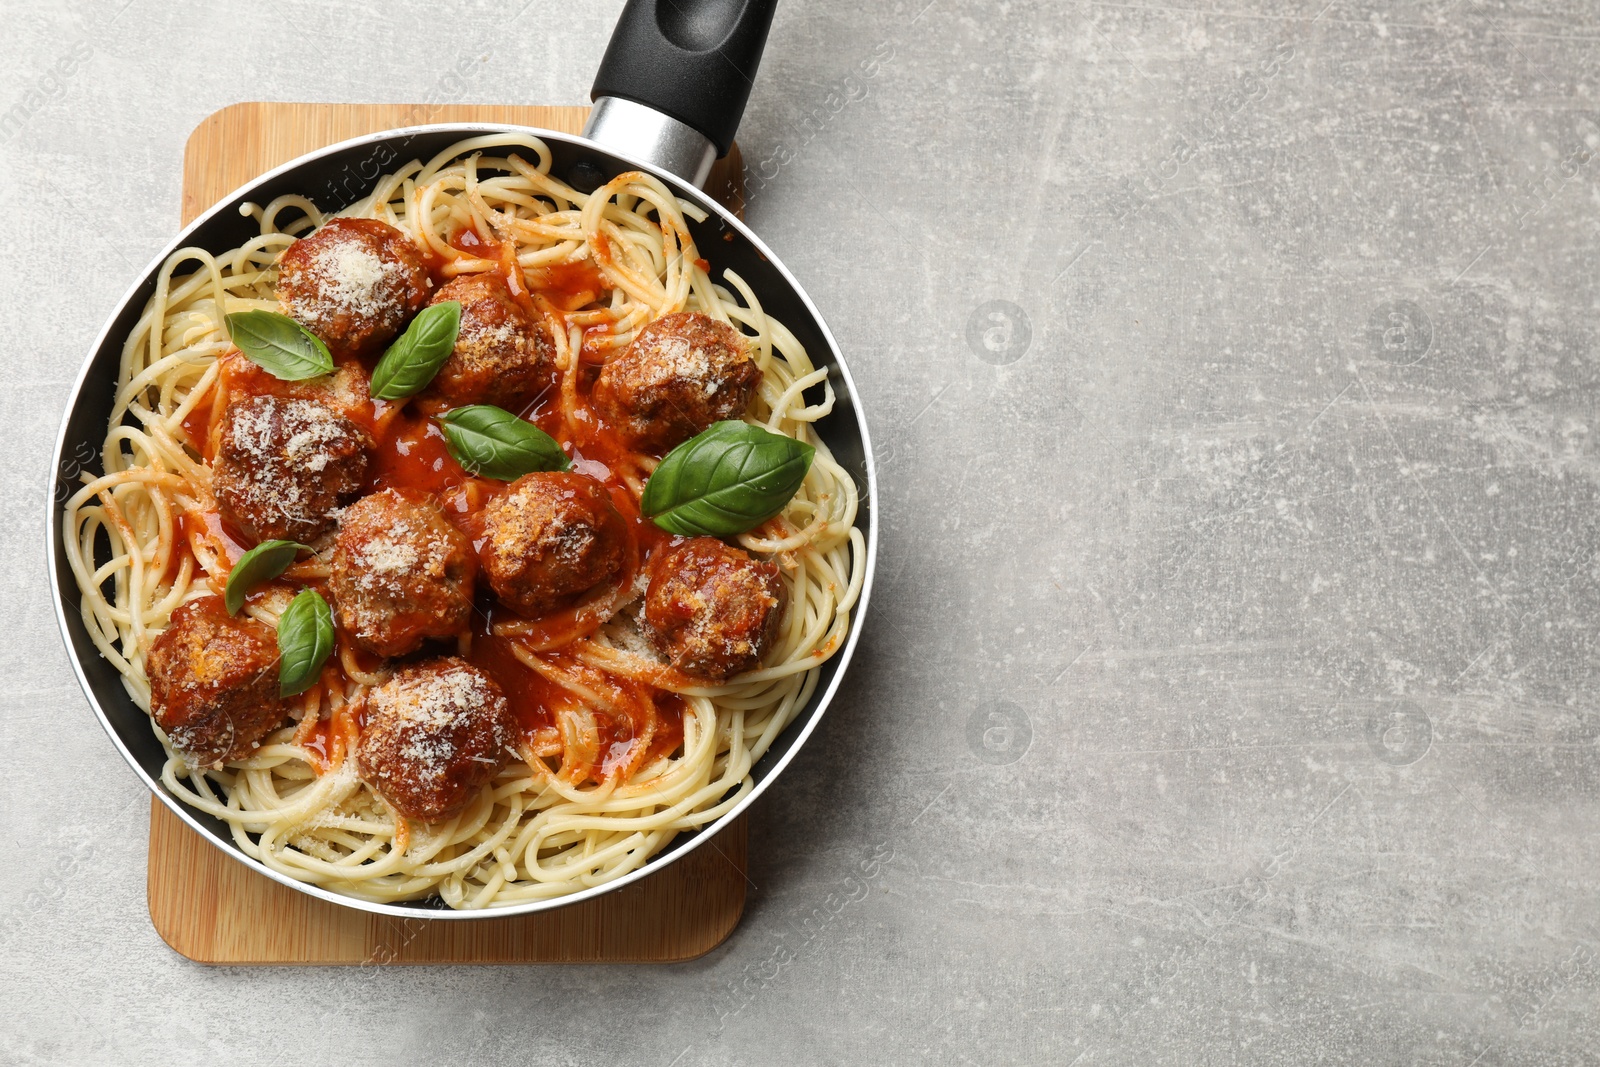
(268, 218)
(124, 557)
(638, 280)
(566, 363)
(605, 237)
(92, 487)
(749, 313)
(783, 406)
(197, 393)
(508, 825)
(480, 206)
(692, 805)
(353, 670)
(170, 453)
(155, 372)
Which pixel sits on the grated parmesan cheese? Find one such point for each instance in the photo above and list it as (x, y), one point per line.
(350, 274)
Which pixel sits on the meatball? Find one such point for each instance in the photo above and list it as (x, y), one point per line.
(401, 573)
(214, 682)
(435, 735)
(355, 283)
(348, 391)
(284, 466)
(711, 609)
(499, 351)
(682, 373)
(549, 537)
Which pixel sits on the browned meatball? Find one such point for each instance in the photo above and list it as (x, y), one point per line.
(284, 466)
(401, 573)
(435, 735)
(214, 682)
(681, 373)
(549, 537)
(355, 283)
(348, 391)
(500, 350)
(711, 609)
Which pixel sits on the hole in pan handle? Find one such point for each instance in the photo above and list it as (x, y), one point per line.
(675, 79)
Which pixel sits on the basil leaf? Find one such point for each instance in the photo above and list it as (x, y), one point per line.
(305, 639)
(725, 480)
(279, 345)
(261, 564)
(411, 362)
(493, 442)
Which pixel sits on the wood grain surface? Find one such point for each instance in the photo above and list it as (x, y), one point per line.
(212, 908)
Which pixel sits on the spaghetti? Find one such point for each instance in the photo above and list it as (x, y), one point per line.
(618, 751)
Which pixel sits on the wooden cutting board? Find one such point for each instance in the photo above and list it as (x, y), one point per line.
(213, 909)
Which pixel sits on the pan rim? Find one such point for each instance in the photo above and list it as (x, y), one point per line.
(420, 909)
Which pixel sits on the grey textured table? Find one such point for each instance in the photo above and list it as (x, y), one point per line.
(1230, 692)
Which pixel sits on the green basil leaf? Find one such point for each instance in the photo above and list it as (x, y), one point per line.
(494, 443)
(411, 362)
(305, 639)
(725, 480)
(279, 345)
(261, 564)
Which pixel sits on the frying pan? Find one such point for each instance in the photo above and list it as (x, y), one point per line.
(668, 97)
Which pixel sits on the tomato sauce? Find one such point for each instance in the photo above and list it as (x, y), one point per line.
(532, 698)
(621, 736)
(319, 744)
(473, 243)
(591, 354)
(669, 710)
(330, 740)
(228, 543)
(503, 254)
(412, 455)
(197, 424)
(568, 286)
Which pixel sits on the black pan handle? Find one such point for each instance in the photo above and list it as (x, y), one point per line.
(692, 60)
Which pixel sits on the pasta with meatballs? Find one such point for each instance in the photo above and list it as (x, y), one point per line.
(466, 663)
